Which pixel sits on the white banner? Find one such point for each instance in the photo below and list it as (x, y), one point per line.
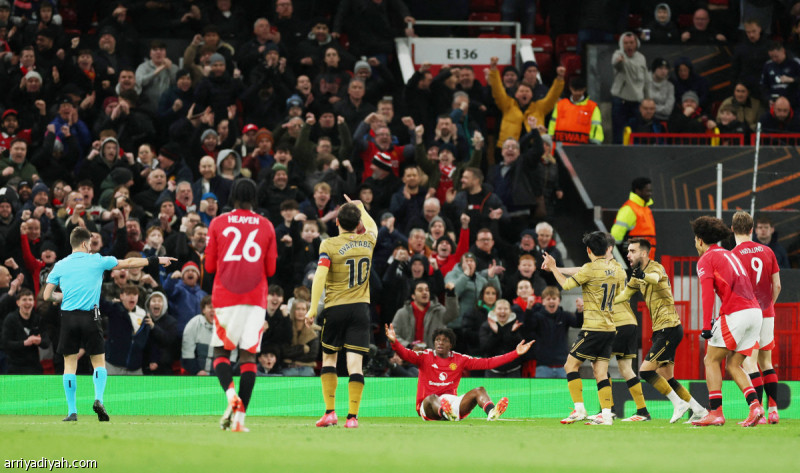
(462, 50)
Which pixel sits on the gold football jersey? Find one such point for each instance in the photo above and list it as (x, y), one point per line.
(349, 258)
(658, 297)
(600, 280)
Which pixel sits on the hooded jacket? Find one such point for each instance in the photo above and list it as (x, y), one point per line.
(163, 345)
(630, 73)
(185, 300)
(504, 341)
(666, 32)
(694, 82)
(237, 171)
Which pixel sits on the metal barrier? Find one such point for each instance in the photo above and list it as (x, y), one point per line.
(777, 139)
(695, 139)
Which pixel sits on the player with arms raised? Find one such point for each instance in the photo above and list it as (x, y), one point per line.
(599, 280)
(735, 334)
(762, 268)
(440, 372)
(658, 367)
(242, 251)
(343, 272)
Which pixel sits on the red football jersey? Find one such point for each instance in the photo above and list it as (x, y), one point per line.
(242, 251)
(721, 272)
(442, 375)
(761, 264)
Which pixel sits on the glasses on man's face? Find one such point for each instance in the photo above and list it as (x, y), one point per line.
(485, 239)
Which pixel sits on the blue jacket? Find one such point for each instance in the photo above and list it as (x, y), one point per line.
(123, 347)
(184, 301)
(80, 130)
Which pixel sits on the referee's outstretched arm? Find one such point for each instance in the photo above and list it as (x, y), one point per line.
(142, 262)
(52, 296)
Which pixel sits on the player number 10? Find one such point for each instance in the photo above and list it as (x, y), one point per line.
(250, 250)
(359, 271)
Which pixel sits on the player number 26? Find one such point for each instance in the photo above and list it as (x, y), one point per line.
(250, 250)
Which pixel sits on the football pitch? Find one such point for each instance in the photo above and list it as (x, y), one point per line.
(293, 444)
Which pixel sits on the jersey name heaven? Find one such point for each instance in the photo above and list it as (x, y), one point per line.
(354, 244)
(243, 219)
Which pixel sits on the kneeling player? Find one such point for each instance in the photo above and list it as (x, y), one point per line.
(440, 372)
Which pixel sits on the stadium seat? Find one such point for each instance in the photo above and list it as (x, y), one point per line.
(685, 21)
(540, 43)
(69, 18)
(572, 63)
(634, 22)
(566, 43)
(344, 40)
(494, 35)
(545, 63)
(484, 5)
(483, 16)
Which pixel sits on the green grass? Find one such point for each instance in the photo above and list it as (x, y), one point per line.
(292, 444)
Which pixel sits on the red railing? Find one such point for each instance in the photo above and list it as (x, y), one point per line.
(777, 139)
(682, 273)
(702, 139)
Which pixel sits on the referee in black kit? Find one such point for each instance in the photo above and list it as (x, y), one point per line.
(80, 276)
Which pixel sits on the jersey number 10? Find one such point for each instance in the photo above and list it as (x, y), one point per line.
(250, 250)
(359, 271)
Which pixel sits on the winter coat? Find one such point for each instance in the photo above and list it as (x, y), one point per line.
(438, 316)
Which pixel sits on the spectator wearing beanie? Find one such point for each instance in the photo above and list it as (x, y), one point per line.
(219, 90)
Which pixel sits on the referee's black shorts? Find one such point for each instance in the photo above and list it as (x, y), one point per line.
(80, 329)
(346, 326)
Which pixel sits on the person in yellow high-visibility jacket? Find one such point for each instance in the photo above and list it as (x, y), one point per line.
(635, 219)
(576, 120)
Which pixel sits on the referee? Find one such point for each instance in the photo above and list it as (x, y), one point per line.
(80, 276)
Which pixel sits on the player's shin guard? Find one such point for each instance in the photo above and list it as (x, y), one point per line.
(771, 385)
(70, 387)
(575, 387)
(329, 381)
(635, 387)
(604, 394)
(99, 380)
(247, 382)
(758, 384)
(682, 392)
(355, 388)
(222, 366)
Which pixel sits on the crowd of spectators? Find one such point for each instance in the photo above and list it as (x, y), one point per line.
(101, 129)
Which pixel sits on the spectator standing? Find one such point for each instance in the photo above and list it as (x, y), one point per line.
(750, 55)
(660, 89)
(630, 78)
(23, 335)
(568, 123)
(422, 315)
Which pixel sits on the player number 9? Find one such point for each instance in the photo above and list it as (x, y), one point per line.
(757, 266)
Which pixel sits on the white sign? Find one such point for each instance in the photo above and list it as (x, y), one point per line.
(462, 50)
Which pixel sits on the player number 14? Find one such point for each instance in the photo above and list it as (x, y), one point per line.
(250, 250)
